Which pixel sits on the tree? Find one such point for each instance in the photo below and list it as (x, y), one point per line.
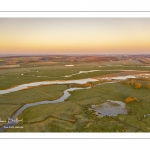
(148, 86)
(130, 99)
(137, 85)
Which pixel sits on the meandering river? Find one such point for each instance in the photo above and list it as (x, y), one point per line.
(34, 84)
(13, 120)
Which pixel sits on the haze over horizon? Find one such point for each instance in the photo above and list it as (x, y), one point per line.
(74, 36)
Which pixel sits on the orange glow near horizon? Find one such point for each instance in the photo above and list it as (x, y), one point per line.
(74, 35)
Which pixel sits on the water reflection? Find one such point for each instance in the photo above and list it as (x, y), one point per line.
(110, 108)
(25, 86)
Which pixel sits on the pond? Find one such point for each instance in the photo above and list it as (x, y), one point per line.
(110, 108)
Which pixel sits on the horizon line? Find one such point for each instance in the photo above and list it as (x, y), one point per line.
(23, 54)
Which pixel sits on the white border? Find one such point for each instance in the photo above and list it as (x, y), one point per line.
(74, 5)
(75, 15)
(98, 135)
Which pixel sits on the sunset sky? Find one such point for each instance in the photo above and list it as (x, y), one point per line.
(74, 35)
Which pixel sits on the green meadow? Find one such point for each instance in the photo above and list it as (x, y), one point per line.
(74, 114)
(11, 102)
(16, 76)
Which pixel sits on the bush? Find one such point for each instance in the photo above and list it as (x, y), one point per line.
(137, 85)
(130, 99)
(148, 86)
(133, 81)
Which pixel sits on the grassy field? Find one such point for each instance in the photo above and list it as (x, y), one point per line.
(16, 76)
(7, 110)
(123, 62)
(30, 95)
(10, 103)
(74, 114)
